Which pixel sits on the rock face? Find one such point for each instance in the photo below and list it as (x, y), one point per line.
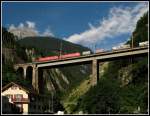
(62, 79)
(125, 75)
(102, 68)
(10, 55)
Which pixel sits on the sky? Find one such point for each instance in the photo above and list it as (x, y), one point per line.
(97, 25)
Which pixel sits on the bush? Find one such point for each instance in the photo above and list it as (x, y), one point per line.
(102, 99)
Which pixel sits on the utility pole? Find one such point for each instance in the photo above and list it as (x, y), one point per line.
(132, 48)
(20, 35)
(132, 40)
(60, 53)
(95, 47)
(52, 103)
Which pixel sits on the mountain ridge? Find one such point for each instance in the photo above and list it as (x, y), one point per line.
(52, 44)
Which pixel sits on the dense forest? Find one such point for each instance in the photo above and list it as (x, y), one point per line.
(11, 48)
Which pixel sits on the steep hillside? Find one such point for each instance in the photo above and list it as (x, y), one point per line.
(11, 53)
(141, 32)
(122, 87)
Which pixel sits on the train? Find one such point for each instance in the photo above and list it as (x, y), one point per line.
(78, 54)
(99, 50)
(127, 46)
(121, 47)
(145, 43)
(49, 58)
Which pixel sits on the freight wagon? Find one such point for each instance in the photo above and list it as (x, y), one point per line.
(86, 52)
(99, 51)
(121, 47)
(145, 43)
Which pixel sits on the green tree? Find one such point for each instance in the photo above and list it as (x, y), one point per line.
(102, 99)
(8, 39)
(141, 32)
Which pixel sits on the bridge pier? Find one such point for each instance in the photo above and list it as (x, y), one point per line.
(35, 79)
(95, 72)
(24, 72)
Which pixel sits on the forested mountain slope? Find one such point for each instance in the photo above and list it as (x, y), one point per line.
(122, 86)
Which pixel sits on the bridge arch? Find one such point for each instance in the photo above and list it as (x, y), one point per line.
(20, 72)
(29, 74)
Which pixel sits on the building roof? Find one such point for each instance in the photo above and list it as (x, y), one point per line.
(28, 90)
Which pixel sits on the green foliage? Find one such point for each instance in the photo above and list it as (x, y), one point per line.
(74, 76)
(103, 98)
(140, 71)
(21, 52)
(57, 106)
(109, 96)
(71, 100)
(141, 32)
(8, 39)
(8, 73)
(132, 97)
(136, 93)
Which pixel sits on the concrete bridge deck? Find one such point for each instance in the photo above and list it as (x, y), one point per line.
(94, 59)
(99, 56)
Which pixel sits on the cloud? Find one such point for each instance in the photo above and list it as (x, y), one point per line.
(24, 29)
(28, 29)
(47, 32)
(120, 20)
(30, 24)
(21, 26)
(12, 27)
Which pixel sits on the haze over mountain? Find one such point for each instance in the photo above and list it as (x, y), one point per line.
(23, 30)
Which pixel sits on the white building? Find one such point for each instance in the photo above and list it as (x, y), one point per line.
(27, 100)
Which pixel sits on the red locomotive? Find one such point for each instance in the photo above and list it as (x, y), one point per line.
(70, 55)
(49, 58)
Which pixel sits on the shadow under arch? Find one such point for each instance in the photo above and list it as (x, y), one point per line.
(29, 73)
(20, 72)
